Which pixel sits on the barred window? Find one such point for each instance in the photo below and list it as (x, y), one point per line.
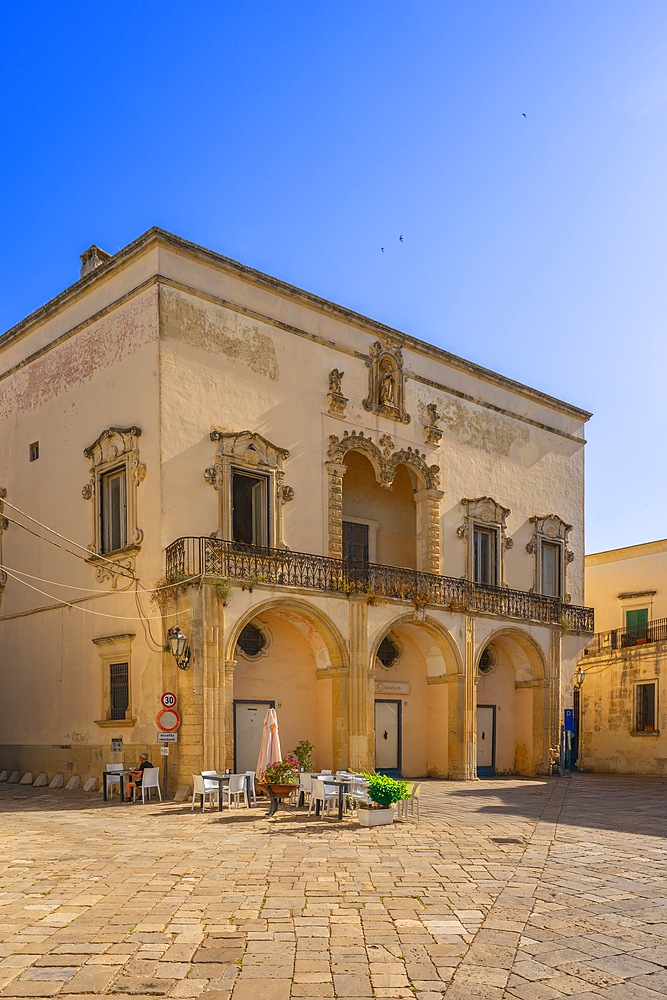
(251, 640)
(119, 689)
(645, 707)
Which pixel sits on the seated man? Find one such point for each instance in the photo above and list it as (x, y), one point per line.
(135, 777)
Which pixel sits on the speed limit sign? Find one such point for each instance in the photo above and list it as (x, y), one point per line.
(168, 699)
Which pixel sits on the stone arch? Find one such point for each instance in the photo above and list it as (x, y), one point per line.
(520, 687)
(429, 678)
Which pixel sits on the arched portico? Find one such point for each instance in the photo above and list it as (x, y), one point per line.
(511, 683)
(423, 691)
(300, 668)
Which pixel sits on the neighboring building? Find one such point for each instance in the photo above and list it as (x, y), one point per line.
(381, 539)
(623, 712)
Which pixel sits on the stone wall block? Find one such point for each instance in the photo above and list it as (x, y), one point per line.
(27, 778)
(41, 780)
(57, 781)
(14, 778)
(90, 785)
(183, 793)
(74, 782)
(3, 775)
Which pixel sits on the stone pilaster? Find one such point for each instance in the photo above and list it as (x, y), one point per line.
(360, 690)
(468, 728)
(336, 471)
(552, 701)
(212, 676)
(227, 725)
(428, 530)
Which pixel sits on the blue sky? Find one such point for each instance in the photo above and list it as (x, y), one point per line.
(300, 138)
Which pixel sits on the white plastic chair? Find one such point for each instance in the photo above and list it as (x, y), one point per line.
(326, 772)
(150, 780)
(358, 792)
(253, 794)
(406, 806)
(235, 789)
(115, 781)
(326, 794)
(200, 788)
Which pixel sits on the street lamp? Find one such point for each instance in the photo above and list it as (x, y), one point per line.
(579, 676)
(179, 647)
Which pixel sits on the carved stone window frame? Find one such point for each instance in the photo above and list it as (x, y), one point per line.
(115, 649)
(249, 452)
(386, 382)
(116, 448)
(552, 529)
(265, 631)
(485, 512)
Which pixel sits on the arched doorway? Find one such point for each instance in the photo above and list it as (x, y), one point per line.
(287, 655)
(511, 716)
(418, 675)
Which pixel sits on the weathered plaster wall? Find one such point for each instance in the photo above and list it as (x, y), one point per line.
(625, 571)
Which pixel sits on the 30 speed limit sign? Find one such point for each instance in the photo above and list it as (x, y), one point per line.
(168, 699)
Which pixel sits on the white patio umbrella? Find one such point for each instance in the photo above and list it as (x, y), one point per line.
(269, 751)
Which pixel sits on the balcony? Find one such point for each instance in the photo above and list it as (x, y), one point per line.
(250, 565)
(624, 638)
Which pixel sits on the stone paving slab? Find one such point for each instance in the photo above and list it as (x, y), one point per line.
(534, 888)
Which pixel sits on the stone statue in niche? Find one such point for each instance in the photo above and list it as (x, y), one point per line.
(386, 381)
(431, 430)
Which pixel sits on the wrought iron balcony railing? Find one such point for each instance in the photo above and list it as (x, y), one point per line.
(251, 565)
(622, 638)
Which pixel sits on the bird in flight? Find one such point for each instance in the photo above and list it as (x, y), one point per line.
(382, 249)
(524, 114)
(401, 237)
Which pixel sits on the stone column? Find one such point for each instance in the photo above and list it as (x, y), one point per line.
(552, 701)
(227, 713)
(212, 679)
(428, 530)
(336, 472)
(340, 696)
(468, 731)
(360, 690)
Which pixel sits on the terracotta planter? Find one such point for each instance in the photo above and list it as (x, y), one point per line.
(375, 817)
(280, 791)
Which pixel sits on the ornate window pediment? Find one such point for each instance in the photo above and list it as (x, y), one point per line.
(115, 474)
(552, 556)
(249, 475)
(485, 533)
(386, 382)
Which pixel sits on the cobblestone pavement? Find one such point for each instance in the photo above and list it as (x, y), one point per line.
(510, 888)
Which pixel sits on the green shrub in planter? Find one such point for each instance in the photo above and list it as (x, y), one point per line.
(384, 791)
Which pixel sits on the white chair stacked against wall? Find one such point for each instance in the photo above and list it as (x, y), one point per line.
(407, 806)
(203, 788)
(115, 781)
(358, 791)
(150, 780)
(236, 788)
(327, 795)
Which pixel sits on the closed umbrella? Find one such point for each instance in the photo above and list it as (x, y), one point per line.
(269, 751)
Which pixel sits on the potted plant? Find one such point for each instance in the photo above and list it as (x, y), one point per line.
(282, 777)
(303, 754)
(384, 792)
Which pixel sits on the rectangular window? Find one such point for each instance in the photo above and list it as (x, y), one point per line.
(119, 690)
(485, 555)
(34, 451)
(355, 542)
(250, 508)
(636, 623)
(645, 707)
(113, 510)
(551, 569)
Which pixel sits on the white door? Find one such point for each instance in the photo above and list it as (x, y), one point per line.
(248, 724)
(486, 735)
(387, 735)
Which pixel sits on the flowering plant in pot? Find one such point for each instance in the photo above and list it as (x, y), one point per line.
(282, 772)
(383, 792)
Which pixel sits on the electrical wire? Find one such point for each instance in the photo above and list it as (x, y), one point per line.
(69, 604)
(98, 593)
(64, 538)
(120, 570)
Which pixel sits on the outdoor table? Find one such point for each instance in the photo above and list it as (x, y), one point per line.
(115, 774)
(343, 786)
(221, 779)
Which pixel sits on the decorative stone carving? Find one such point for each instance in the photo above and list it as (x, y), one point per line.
(431, 430)
(386, 381)
(550, 528)
(385, 462)
(335, 398)
(250, 450)
(4, 524)
(115, 448)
